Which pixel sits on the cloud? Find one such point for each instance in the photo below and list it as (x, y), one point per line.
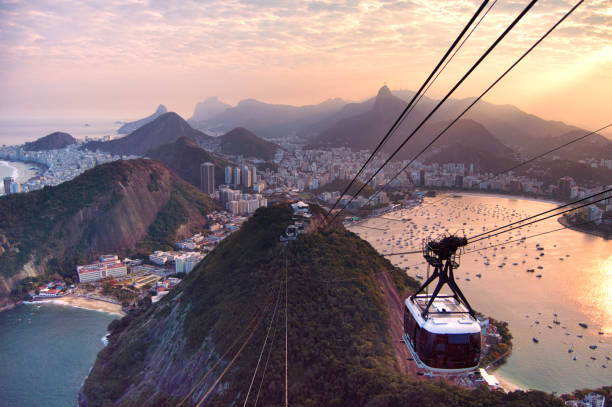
(260, 38)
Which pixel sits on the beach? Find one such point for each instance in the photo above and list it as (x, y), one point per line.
(88, 303)
(20, 171)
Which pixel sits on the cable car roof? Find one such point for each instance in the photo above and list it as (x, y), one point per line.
(455, 320)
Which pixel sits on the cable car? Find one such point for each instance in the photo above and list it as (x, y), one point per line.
(441, 331)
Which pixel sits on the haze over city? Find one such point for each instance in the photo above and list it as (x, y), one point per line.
(118, 60)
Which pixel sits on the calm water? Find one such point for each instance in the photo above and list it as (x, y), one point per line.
(46, 352)
(13, 132)
(577, 288)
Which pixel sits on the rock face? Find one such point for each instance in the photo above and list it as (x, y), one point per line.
(127, 128)
(165, 129)
(184, 157)
(241, 141)
(122, 207)
(53, 141)
(210, 107)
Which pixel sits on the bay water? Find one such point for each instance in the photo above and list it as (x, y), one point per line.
(46, 352)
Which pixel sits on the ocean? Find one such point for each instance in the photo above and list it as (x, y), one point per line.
(575, 284)
(46, 352)
(14, 132)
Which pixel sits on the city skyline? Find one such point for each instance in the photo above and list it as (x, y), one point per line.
(119, 60)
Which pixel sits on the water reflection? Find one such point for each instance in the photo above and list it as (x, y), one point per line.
(575, 282)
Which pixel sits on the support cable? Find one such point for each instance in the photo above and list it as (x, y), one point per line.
(465, 76)
(409, 106)
(472, 104)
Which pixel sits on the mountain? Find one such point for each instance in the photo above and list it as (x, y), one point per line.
(210, 107)
(364, 130)
(184, 157)
(51, 141)
(127, 128)
(121, 207)
(357, 126)
(594, 146)
(165, 129)
(241, 141)
(205, 338)
(466, 141)
(270, 120)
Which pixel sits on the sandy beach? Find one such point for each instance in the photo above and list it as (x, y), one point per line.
(19, 170)
(87, 303)
(506, 385)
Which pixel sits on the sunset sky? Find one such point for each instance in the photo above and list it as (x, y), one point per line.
(120, 59)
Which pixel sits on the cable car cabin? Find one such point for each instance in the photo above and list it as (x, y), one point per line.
(447, 340)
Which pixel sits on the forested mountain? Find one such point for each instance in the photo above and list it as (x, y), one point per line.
(202, 341)
(184, 157)
(129, 127)
(51, 141)
(241, 141)
(165, 129)
(120, 207)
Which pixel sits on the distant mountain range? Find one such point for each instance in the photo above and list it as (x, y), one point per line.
(184, 157)
(51, 141)
(165, 129)
(513, 127)
(269, 120)
(129, 127)
(210, 107)
(123, 207)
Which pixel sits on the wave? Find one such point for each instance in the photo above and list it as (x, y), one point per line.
(14, 172)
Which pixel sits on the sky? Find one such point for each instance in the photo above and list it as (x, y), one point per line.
(120, 59)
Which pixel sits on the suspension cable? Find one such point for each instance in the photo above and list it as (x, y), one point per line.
(410, 104)
(474, 102)
(476, 64)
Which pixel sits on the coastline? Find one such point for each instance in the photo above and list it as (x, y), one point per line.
(21, 170)
(84, 303)
(568, 225)
(498, 195)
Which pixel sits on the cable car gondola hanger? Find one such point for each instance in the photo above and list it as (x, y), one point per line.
(440, 330)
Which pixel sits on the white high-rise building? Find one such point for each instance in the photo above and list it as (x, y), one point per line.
(228, 175)
(207, 178)
(246, 176)
(236, 176)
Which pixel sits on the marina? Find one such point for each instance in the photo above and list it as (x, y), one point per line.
(545, 310)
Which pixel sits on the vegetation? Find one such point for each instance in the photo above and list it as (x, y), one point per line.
(27, 220)
(184, 157)
(339, 349)
(580, 394)
(241, 141)
(498, 352)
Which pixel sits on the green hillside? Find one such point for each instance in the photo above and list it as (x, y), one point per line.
(339, 348)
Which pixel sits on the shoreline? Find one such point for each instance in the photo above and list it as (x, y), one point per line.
(21, 171)
(83, 303)
(597, 233)
(499, 195)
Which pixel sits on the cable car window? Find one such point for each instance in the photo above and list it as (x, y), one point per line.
(458, 339)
